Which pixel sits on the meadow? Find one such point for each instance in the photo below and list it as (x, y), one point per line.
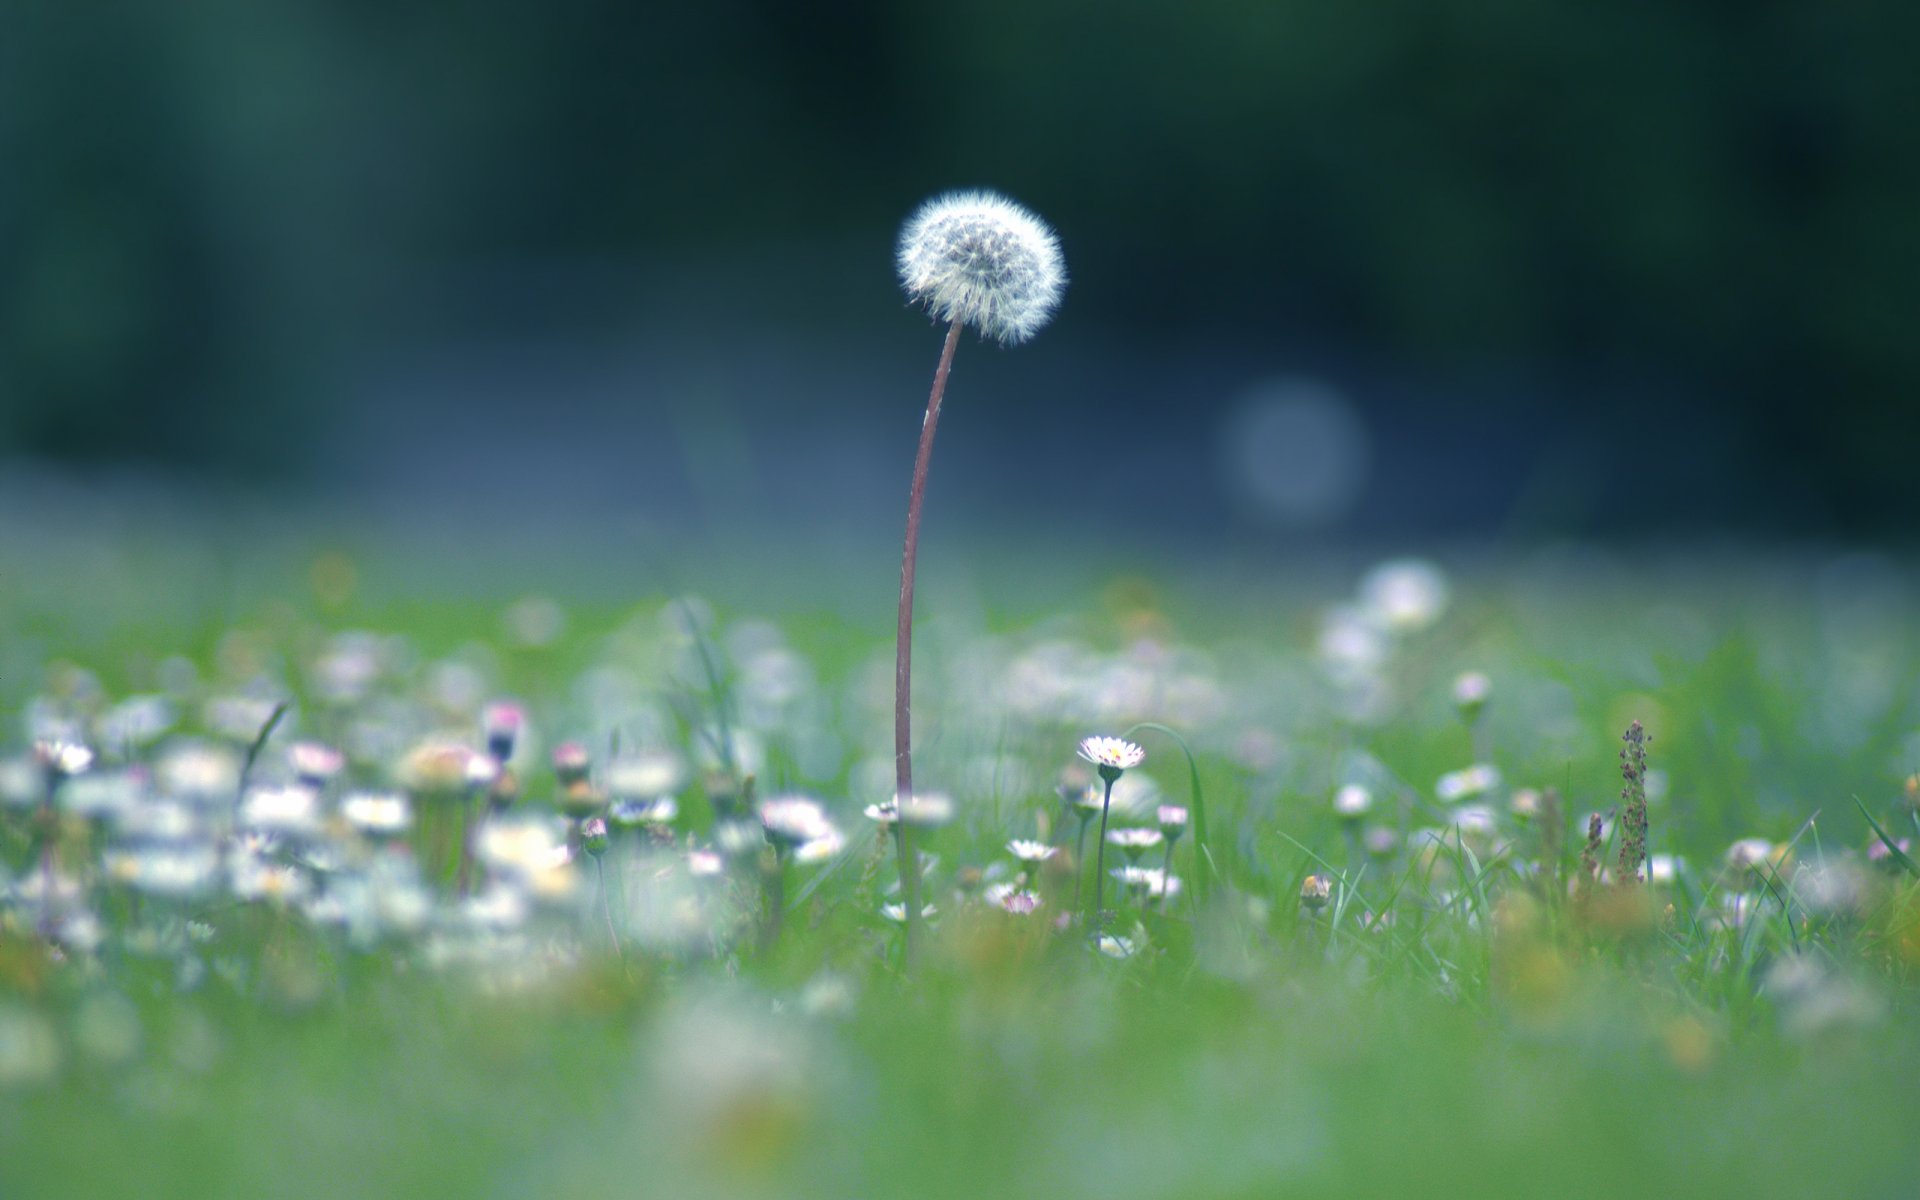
(319, 877)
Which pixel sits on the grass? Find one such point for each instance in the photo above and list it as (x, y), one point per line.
(1451, 1023)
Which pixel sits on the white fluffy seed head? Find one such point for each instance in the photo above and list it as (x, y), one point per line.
(980, 259)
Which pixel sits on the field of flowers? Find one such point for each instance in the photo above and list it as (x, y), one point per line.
(1551, 877)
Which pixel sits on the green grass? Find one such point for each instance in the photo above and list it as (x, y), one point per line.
(1448, 1025)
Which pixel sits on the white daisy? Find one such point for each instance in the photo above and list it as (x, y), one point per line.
(1112, 753)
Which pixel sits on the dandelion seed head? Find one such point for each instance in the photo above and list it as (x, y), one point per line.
(980, 259)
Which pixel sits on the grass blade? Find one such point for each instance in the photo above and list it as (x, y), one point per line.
(1198, 799)
(1893, 849)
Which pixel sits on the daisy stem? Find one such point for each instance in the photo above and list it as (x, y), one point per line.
(1080, 859)
(903, 649)
(1100, 863)
(1166, 873)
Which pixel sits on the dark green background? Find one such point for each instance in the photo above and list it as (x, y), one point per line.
(1634, 266)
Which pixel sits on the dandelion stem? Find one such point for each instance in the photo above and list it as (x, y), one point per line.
(903, 648)
(1100, 862)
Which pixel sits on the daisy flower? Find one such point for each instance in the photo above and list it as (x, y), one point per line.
(1111, 754)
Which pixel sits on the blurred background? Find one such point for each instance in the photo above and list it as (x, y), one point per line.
(1492, 271)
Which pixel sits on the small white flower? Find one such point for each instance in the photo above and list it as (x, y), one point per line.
(897, 913)
(1134, 841)
(377, 814)
(290, 810)
(1027, 851)
(1470, 693)
(1115, 946)
(1352, 802)
(925, 809)
(1157, 884)
(1111, 752)
(1173, 821)
(1404, 595)
(1018, 901)
(1468, 783)
(980, 259)
(793, 821)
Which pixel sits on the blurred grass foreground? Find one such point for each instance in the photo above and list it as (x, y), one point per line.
(319, 878)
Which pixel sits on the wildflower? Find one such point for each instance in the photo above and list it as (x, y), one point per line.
(279, 883)
(897, 913)
(1404, 595)
(1114, 946)
(198, 772)
(977, 258)
(1173, 821)
(1879, 855)
(1470, 693)
(501, 724)
(1033, 852)
(1018, 901)
(647, 776)
(1111, 755)
(61, 758)
(443, 768)
(293, 810)
(819, 849)
(1524, 804)
(593, 836)
(1467, 783)
(1352, 802)
(1134, 842)
(634, 814)
(925, 809)
(792, 821)
(523, 848)
(314, 764)
(570, 763)
(377, 814)
(1154, 882)
(1316, 891)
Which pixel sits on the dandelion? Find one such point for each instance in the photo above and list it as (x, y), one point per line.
(977, 258)
(972, 258)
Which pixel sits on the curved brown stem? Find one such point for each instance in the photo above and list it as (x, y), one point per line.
(903, 649)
